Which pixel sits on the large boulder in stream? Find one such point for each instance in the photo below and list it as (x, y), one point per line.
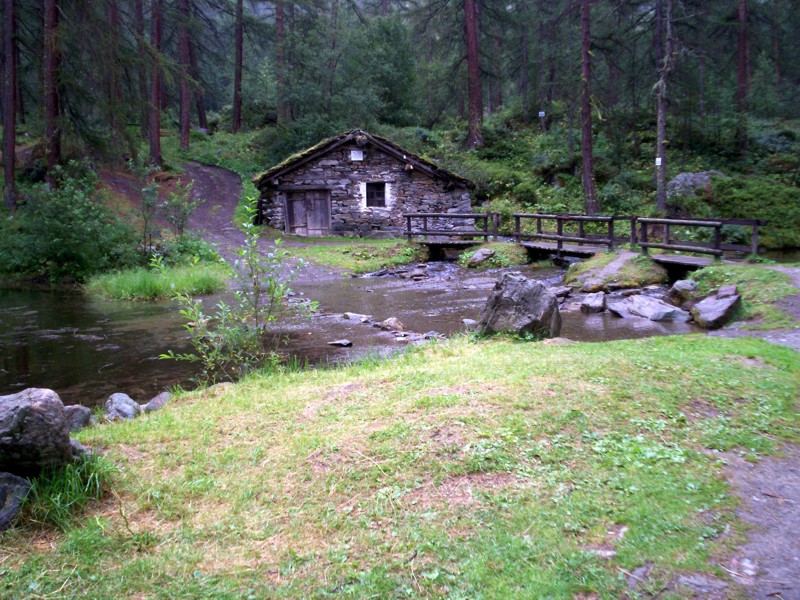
(716, 310)
(34, 433)
(519, 305)
(649, 308)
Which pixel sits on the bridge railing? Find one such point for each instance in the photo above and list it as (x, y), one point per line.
(566, 221)
(665, 230)
(482, 225)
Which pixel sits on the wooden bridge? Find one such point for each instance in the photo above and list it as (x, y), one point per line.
(585, 236)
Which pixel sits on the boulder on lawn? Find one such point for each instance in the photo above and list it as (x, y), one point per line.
(77, 416)
(594, 303)
(34, 433)
(654, 309)
(715, 311)
(520, 305)
(157, 402)
(121, 407)
(480, 256)
(13, 490)
(683, 290)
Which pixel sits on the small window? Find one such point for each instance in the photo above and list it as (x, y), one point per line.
(356, 155)
(376, 194)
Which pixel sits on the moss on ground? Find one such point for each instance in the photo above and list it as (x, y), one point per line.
(637, 271)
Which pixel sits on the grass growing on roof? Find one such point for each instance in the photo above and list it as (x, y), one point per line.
(462, 469)
(358, 256)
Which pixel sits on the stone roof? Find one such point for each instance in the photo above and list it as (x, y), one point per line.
(361, 138)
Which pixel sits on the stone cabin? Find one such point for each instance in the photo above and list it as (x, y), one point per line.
(357, 184)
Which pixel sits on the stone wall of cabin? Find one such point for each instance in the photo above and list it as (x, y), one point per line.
(407, 191)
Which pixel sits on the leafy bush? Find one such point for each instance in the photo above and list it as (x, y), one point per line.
(763, 198)
(177, 208)
(66, 232)
(232, 340)
(189, 248)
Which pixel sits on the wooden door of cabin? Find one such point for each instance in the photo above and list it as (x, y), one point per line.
(308, 212)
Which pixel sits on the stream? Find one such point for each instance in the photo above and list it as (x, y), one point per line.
(86, 348)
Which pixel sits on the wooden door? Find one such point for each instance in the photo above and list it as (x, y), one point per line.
(318, 207)
(308, 212)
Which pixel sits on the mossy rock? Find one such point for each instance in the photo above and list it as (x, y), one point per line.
(505, 255)
(615, 270)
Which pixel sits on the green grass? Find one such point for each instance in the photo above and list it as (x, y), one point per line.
(58, 496)
(506, 254)
(760, 287)
(638, 271)
(155, 284)
(460, 470)
(361, 256)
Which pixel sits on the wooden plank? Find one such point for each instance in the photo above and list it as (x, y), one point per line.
(566, 248)
(677, 259)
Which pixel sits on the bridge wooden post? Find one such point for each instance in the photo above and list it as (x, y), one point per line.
(611, 234)
(559, 232)
(408, 227)
(666, 234)
(580, 232)
(718, 238)
(645, 249)
(754, 239)
(425, 226)
(634, 237)
(496, 224)
(517, 229)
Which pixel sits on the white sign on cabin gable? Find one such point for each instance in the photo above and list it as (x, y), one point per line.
(356, 155)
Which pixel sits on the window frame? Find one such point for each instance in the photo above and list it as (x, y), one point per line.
(370, 194)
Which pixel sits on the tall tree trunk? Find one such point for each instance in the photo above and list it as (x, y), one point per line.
(183, 58)
(9, 105)
(776, 54)
(237, 69)
(474, 92)
(199, 100)
(523, 76)
(742, 79)
(332, 60)
(52, 128)
(284, 114)
(155, 84)
(144, 110)
(589, 188)
(497, 87)
(114, 90)
(663, 68)
(384, 7)
(20, 106)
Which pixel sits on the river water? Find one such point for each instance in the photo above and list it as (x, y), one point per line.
(86, 348)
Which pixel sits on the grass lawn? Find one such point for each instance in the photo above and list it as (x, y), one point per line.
(490, 469)
(358, 255)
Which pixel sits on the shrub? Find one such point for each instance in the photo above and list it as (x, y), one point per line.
(159, 283)
(177, 208)
(66, 232)
(232, 340)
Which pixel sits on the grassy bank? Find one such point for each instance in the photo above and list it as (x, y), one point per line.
(155, 284)
(760, 288)
(358, 256)
(481, 470)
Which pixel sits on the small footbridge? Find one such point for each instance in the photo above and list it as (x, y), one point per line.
(683, 243)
